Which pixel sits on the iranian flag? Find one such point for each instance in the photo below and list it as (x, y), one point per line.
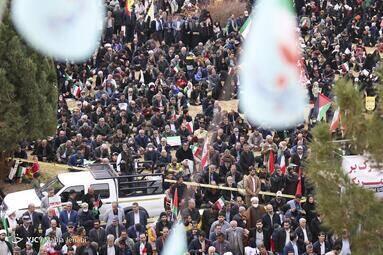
(196, 150)
(271, 162)
(76, 91)
(175, 204)
(220, 203)
(282, 162)
(269, 74)
(322, 105)
(245, 29)
(205, 154)
(335, 120)
(189, 126)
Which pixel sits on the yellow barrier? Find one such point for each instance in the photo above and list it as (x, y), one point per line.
(202, 185)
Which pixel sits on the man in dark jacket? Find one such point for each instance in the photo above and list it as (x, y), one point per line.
(115, 228)
(199, 244)
(136, 212)
(269, 220)
(304, 235)
(184, 153)
(85, 217)
(97, 234)
(246, 159)
(25, 231)
(143, 245)
(88, 248)
(280, 235)
(321, 246)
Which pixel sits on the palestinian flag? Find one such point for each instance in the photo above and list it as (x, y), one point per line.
(220, 203)
(335, 120)
(299, 185)
(128, 6)
(175, 204)
(245, 29)
(20, 173)
(322, 105)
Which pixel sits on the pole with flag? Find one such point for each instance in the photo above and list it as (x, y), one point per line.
(205, 154)
(282, 162)
(335, 120)
(175, 205)
(245, 29)
(322, 105)
(220, 203)
(271, 162)
(299, 185)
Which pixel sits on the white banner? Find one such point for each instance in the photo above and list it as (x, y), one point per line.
(361, 173)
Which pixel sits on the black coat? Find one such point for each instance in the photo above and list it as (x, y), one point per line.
(300, 243)
(195, 246)
(246, 160)
(86, 220)
(268, 226)
(80, 250)
(100, 238)
(149, 250)
(24, 234)
(130, 218)
(37, 218)
(279, 237)
(316, 246)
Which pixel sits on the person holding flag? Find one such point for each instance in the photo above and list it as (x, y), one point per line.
(269, 150)
(283, 156)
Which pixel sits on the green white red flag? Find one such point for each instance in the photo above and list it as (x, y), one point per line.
(335, 120)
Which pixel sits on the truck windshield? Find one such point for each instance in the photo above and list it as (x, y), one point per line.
(52, 183)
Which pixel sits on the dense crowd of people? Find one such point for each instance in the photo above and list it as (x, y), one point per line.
(136, 92)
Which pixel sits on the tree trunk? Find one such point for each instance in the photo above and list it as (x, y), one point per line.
(4, 165)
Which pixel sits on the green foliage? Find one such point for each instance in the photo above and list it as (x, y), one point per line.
(345, 205)
(28, 91)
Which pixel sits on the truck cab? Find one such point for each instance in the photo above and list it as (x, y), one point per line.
(145, 189)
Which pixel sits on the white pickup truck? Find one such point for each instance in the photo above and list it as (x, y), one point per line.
(145, 189)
